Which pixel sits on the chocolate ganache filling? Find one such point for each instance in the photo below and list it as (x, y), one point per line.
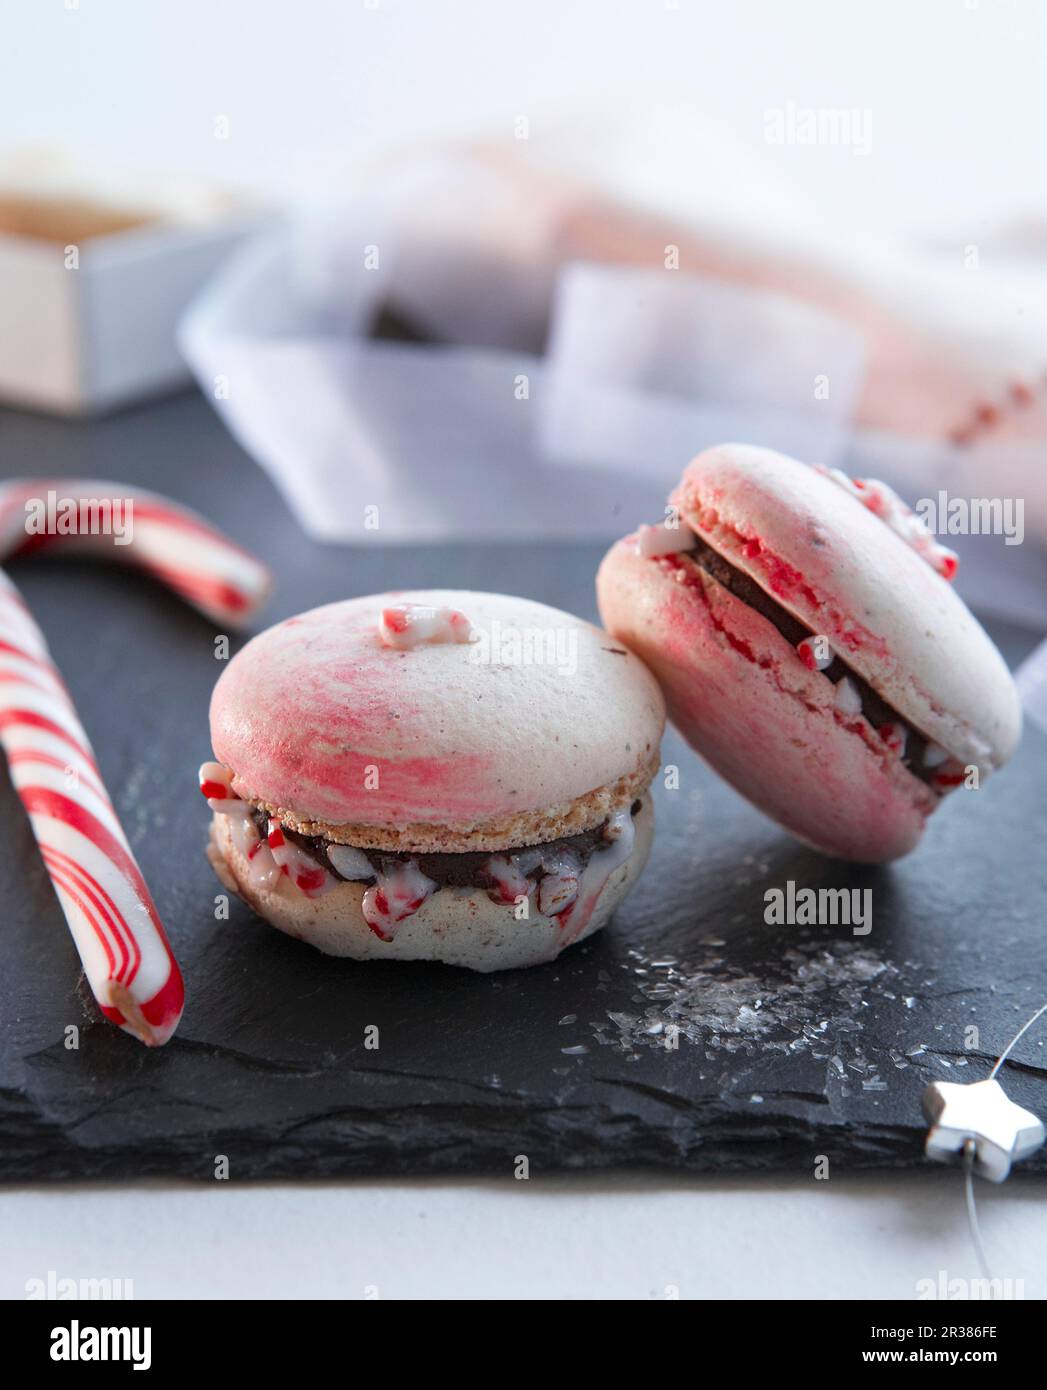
(873, 707)
(468, 869)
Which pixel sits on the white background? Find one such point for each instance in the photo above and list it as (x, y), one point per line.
(955, 87)
(625, 1237)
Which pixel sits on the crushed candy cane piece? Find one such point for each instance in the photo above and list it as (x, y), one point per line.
(815, 653)
(895, 736)
(557, 892)
(410, 625)
(263, 871)
(301, 868)
(885, 503)
(510, 876)
(847, 698)
(399, 892)
(215, 781)
(951, 776)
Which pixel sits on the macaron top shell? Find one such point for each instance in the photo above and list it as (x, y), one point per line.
(843, 573)
(319, 716)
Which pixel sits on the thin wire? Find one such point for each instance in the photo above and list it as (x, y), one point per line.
(972, 1210)
(1016, 1039)
(969, 1152)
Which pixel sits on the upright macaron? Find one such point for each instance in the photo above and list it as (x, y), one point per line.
(811, 647)
(436, 774)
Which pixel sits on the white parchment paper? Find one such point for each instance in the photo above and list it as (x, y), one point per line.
(642, 371)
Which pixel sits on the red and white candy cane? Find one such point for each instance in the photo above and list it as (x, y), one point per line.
(166, 540)
(115, 925)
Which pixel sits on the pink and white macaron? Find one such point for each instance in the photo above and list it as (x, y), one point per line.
(436, 775)
(811, 648)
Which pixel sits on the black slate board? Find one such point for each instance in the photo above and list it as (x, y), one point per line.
(794, 1042)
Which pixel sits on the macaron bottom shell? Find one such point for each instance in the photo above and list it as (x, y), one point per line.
(456, 926)
(744, 700)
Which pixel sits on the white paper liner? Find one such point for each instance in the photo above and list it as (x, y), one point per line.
(451, 442)
(625, 372)
(643, 362)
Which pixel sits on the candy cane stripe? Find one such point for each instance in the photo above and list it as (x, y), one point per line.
(19, 678)
(30, 719)
(107, 910)
(60, 882)
(114, 923)
(182, 549)
(47, 802)
(214, 595)
(130, 926)
(22, 740)
(23, 756)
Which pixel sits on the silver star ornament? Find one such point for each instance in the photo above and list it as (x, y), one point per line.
(979, 1113)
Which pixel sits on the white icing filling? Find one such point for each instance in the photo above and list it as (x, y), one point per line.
(934, 755)
(847, 698)
(350, 863)
(664, 540)
(619, 838)
(410, 624)
(565, 890)
(263, 871)
(242, 831)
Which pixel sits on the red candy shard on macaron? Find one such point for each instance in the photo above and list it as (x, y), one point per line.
(812, 650)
